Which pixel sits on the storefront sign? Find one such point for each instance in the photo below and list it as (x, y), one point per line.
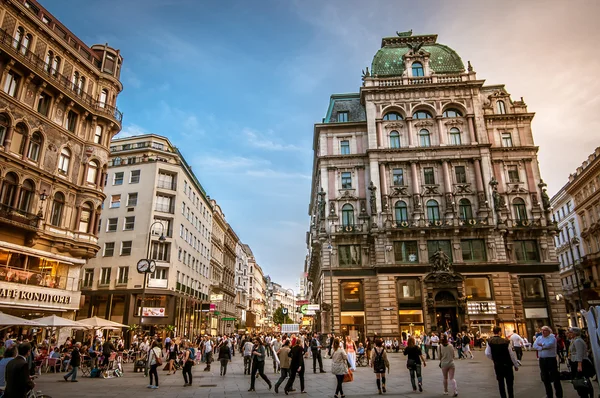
(33, 296)
(539, 313)
(153, 311)
(301, 302)
(481, 308)
(313, 307)
(304, 308)
(216, 297)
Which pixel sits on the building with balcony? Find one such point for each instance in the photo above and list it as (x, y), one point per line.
(57, 116)
(257, 297)
(427, 208)
(243, 252)
(155, 208)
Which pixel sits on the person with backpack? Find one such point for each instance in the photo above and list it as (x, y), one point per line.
(379, 363)
(413, 363)
(188, 362)
(466, 346)
(581, 366)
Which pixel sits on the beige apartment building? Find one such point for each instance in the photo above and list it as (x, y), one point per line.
(428, 211)
(57, 116)
(156, 209)
(257, 297)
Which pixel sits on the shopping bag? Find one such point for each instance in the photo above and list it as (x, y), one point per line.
(348, 377)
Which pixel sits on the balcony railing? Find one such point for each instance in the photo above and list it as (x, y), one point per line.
(348, 228)
(19, 216)
(166, 185)
(165, 208)
(443, 223)
(45, 70)
(409, 81)
(35, 278)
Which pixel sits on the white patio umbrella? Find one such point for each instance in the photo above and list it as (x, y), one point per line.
(99, 323)
(10, 320)
(54, 321)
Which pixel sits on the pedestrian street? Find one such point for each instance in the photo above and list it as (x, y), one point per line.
(475, 378)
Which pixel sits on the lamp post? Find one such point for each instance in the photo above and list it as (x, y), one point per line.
(575, 241)
(43, 197)
(330, 249)
(148, 266)
(293, 302)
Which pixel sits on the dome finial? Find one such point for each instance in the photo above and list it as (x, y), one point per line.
(404, 34)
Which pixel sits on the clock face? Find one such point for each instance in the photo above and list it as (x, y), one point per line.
(143, 266)
(152, 266)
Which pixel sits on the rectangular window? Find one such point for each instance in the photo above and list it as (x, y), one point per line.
(406, 251)
(118, 178)
(105, 277)
(345, 147)
(346, 180)
(507, 140)
(428, 175)
(478, 289)
(342, 117)
(473, 249)
(513, 173)
(44, 104)
(164, 204)
(160, 251)
(134, 177)
(166, 181)
(461, 174)
(526, 251)
(349, 255)
(398, 177)
(129, 224)
(532, 288)
(11, 83)
(123, 275)
(88, 278)
(409, 289)
(111, 225)
(71, 121)
(351, 294)
(443, 245)
(132, 199)
(126, 248)
(109, 249)
(115, 201)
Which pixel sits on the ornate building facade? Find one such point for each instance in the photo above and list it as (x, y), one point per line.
(427, 208)
(57, 116)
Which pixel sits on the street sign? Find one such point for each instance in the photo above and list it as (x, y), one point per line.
(310, 312)
(227, 319)
(216, 297)
(301, 302)
(284, 311)
(304, 308)
(314, 307)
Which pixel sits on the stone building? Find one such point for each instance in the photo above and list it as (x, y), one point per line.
(155, 209)
(257, 297)
(57, 116)
(243, 252)
(427, 208)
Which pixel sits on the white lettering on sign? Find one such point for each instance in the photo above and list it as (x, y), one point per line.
(31, 296)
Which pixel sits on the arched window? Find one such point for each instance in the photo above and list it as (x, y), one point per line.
(55, 65)
(85, 218)
(347, 215)
(49, 60)
(26, 196)
(465, 212)
(18, 141)
(58, 205)
(98, 135)
(500, 107)
(9, 188)
(26, 43)
(64, 161)
(520, 209)
(4, 123)
(19, 37)
(452, 113)
(422, 115)
(401, 211)
(417, 69)
(92, 173)
(433, 210)
(455, 136)
(35, 144)
(103, 97)
(81, 85)
(76, 82)
(394, 139)
(71, 121)
(424, 138)
(392, 116)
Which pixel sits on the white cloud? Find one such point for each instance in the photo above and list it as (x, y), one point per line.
(258, 140)
(270, 173)
(131, 130)
(229, 164)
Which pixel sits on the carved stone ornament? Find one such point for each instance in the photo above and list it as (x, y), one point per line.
(331, 208)
(363, 207)
(394, 125)
(417, 201)
(347, 195)
(52, 147)
(431, 190)
(454, 122)
(399, 191)
(440, 262)
(462, 188)
(430, 303)
(516, 188)
(449, 201)
(373, 197)
(424, 123)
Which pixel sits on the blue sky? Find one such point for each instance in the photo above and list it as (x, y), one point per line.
(238, 86)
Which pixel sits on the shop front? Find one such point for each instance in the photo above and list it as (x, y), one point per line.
(352, 314)
(410, 307)
(535, 304)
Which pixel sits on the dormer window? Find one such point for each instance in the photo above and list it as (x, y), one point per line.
(342, 117)
(452, 113)
(422, 115)
(500, 108)
(417, 69)
(392, 116)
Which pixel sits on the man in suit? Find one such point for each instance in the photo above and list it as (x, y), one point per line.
(315, 347)
(18, 381)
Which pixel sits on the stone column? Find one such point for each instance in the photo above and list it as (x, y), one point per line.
(8, 139)
(378, 128)
(384, 187)
(441, 133)
(86, 167)
(472, 134)
(15, 199)
(447, 180)
(77, 218)
(26, 141)
(478, 177)
(409, 132)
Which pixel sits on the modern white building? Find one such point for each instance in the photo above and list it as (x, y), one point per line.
(155, 208)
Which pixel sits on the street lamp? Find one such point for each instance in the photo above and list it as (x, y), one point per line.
(330, 249)
(147, 265)
(293, 302)
(43, 197)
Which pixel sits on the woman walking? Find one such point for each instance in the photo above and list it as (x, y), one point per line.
(581, 368)
(413, 363)
(296, 367)
(224, 356)
(379, 362)
(351, 352)
(155, 360)
(339, 366)
(446, 351)
(173, 351)
(188, 362)
(258, 364)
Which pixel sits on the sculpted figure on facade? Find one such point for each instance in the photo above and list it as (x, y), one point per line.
(321, 204)
(440, 262)
(373, 198)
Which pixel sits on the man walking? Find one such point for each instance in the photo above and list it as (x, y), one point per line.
(315, 348)
(546, 347)
(18, 381)
(75, 363)
(504, 360)
(247, 352)
(517, 343)
(427, 345)
(435, 340)
(284, 363)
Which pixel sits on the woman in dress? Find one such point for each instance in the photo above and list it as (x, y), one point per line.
(379, 363)
(351, 352)
(339, 367)
(414, 362)
(173, 352)
(446, 351)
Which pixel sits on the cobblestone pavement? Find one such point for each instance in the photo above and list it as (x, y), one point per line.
(475, 379)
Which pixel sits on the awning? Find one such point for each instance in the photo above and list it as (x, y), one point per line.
(41, 253)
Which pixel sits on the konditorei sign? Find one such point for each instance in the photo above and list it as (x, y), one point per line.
(17, 294)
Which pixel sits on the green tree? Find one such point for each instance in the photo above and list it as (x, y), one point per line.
(279, 318)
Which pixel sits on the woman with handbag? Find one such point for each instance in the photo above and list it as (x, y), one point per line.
(447, 364)
(188, 362)
(339, 366)
(379, 363)
(413, 363)
(581, 367)
(155, 360)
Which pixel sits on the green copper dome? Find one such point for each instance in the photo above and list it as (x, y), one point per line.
(388, 60)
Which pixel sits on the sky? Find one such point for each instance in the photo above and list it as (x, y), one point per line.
(237, 86)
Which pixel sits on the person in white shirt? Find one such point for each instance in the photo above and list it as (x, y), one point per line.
(435, 340)
(517, 342)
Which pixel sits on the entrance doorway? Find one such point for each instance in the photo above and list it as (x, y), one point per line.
(445, 312)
